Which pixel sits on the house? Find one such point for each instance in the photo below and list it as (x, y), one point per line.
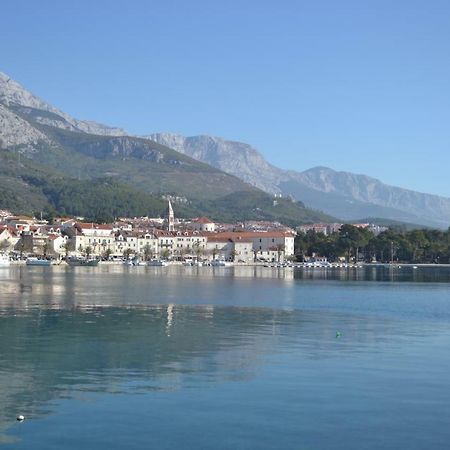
(94, 237)
(262, 241)
(203, 224)
(9, 237)
(237, 249)
(180, 243)
(56, 244)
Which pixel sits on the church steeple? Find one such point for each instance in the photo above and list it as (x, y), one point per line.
(170, 218)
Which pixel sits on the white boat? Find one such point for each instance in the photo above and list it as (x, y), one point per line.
(157, 263)
(220, 263)
(4, 261)
(37, 262)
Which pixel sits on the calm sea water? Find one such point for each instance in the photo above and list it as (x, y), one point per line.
(224, 358)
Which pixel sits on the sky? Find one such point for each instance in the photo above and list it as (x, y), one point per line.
(360, 86)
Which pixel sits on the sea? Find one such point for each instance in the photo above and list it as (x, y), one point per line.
(115, 357)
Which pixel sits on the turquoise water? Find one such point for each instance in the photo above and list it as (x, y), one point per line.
(220, 358)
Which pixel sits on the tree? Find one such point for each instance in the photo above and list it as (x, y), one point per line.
(45, 249)
(21, 246)
(233, 254)
(127, 253)
(88, 251)
(4, 245)
(148, 252)
(197, 249)
(165, 253)
(107, 253)
(66, 246)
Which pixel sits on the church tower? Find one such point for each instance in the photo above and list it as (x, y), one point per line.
(169, 218)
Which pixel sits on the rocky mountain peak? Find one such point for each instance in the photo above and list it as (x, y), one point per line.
(16, 97)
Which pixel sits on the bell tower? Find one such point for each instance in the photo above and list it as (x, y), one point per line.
(170, 218)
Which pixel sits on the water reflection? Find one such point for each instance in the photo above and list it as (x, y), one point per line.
(68, 333)
(50, 354)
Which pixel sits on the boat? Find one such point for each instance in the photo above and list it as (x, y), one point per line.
(33, 261)
(157, 263)
(4, 261)
(84, 262)
(220, 263)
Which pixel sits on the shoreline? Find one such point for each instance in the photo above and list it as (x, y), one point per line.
(269, 265)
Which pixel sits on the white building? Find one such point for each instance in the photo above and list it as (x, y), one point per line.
(203, 224)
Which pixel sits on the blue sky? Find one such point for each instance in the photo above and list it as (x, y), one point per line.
(355, 85)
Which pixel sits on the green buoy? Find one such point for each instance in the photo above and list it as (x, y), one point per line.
(338, 334)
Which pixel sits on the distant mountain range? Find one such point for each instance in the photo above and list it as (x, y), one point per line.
(52, 161)
(341, 194)
(208, 175)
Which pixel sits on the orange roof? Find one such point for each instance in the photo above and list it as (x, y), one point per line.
(94, 226)
(228, 239)
(202, 220)
(250, 234)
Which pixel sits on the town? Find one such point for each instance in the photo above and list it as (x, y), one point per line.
(157, 240)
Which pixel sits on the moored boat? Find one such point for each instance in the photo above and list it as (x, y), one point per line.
(157, 263)
(4, 260)
(85, 262)
(220, 263)
(33, 261)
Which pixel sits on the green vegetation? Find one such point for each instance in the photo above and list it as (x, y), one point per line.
(29, 185)
(258, 205)
(26, 187)
(417, 246)
(395, 224)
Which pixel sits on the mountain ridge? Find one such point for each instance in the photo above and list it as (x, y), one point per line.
(339, 193)
(12, 93)
(45, 151)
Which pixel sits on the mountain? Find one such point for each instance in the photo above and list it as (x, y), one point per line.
(341, 194)
(13, 94)
(232, 157)
(45, 155)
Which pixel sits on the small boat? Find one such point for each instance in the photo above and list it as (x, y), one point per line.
(157, 263)
(32, 261)
(220, 263)
(84, 262)
(4, 261)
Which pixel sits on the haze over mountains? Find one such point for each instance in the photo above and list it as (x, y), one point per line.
(211, 175)
(341, 194)
(52, 161)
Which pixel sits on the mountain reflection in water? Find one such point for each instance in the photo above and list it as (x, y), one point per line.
(210, 346)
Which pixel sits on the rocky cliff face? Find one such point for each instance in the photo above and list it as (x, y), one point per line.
(14, 131)
(232, 157)
(15, 97)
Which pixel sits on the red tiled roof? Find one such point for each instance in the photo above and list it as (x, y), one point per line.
(202, 220)
(250, 234)
(94, 226)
